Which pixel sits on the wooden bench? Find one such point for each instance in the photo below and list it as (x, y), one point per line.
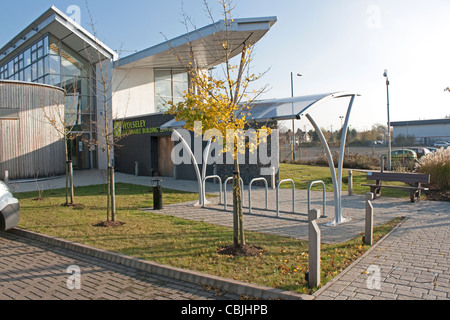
(414, 180)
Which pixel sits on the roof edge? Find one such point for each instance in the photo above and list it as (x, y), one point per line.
(194, 36)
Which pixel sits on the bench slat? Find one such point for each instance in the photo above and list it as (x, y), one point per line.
(397, 176)
(394, 187)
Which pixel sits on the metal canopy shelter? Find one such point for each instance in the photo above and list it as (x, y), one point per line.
(205, 43)
(288, 109)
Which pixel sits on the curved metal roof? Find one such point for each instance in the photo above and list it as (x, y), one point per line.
(206, 43)
(279, 109)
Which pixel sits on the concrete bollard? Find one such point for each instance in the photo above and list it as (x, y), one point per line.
(6, 176)
(368, 231)
(350, 182)
(313, 249)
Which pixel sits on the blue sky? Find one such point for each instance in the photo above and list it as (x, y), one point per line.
(335, 45)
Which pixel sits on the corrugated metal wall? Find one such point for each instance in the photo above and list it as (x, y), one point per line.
(30, 147)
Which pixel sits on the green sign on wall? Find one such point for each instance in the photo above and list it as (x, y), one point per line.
(135, 127)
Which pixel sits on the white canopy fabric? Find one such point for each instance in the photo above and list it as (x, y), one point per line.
(278, 109)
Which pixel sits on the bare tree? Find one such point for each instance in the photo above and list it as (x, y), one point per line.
(63, 119)
(108, 125)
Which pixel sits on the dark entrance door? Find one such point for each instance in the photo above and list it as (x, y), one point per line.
(165, 164)
(79, 153)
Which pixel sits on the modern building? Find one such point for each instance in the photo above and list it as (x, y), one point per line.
(55, 51)
(424, 132)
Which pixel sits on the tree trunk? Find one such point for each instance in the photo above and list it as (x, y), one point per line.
(238, 219)
(72, 193)
(67, 170)
(108, 194)
(113, 195)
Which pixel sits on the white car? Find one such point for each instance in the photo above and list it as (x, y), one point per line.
(9, 209)
(440, 144)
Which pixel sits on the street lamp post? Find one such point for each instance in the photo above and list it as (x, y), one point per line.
(293, 120)
(388, 165)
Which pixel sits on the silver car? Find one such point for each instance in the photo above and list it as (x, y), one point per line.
(9, 209)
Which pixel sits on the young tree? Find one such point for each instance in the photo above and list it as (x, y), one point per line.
(63, 120)
(216, 101)
(107, 125)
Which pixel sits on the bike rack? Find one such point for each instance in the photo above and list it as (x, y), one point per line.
(278, 194)
(250, 193)
(203, 188)
(225, 191)
(309, 195)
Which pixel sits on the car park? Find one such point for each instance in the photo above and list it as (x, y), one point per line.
(405, 155)
(420, 151)
(441, 144)
(9, 209)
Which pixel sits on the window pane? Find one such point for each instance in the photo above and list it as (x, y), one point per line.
(71, 66)
(53, 47)
(163, 88)
(45, 45)
(161, 75)
(179, 88)
(34, 75)
(54, 64)
(27, 57)
(27, 74)
(40, 68)
(55, 80)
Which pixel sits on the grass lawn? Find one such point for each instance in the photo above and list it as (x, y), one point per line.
(303, 175)
(178, 242)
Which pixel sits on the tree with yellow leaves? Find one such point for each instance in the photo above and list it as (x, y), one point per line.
(221, 102)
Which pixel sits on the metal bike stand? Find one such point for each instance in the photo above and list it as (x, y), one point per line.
(250, 193)
(278, 195)
(309, 196)
(204, 185)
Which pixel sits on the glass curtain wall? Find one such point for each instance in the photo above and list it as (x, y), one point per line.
(50, 61)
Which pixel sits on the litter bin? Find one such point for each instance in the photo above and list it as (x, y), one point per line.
(9, 209)
(157, 194)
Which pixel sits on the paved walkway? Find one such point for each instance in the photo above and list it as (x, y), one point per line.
(412, 262)
(33, 270)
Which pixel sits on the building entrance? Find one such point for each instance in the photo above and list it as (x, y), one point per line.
(79, 153)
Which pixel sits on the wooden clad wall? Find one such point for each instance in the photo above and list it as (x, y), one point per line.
(29, 145)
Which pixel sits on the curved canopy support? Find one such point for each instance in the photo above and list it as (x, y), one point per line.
(194, 161)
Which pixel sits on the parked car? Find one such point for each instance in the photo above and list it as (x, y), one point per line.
(441, 144)
(9, 209)
(421, 151)
(432, 149)
(406, 155)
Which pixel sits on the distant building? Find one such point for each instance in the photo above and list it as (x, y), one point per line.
(422, 131)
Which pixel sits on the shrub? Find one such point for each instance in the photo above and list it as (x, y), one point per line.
(437, 165)
(351, 161)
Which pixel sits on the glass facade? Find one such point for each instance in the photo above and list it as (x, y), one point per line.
(170, 85)
(50, 61)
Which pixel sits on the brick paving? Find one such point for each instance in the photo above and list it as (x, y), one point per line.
(32, 270)
(413, 262)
